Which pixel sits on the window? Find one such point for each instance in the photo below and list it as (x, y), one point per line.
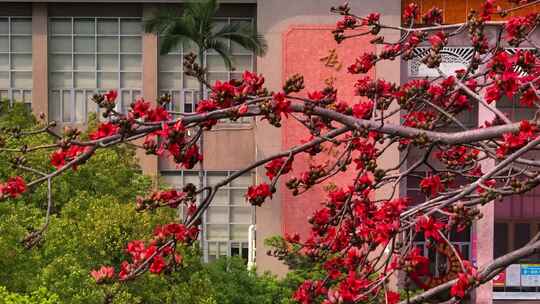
(514, 109)
(500, 240)
(185, 89)
(16, 59)
(89, 55)
(227, 220)
(440, 264)
(511, 235)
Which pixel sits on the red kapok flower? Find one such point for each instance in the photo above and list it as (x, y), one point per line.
(158, 114)
(58, 158)
(438, 40)
(14, 187)
(158, 264)
(431, 185)
(362, 110)
(111, 96)
(410, 12)
(529, 98)
(103, 274)
(392, 297)
(433, 16)
(371, 19)
(493, 93)
(363, 64)
(257, 194)
(430, 227)
(460, 287)
(280, 104)
(273, 167)
(140, 108)
(104, 130)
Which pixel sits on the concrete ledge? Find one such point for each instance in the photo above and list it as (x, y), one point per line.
(516, 295)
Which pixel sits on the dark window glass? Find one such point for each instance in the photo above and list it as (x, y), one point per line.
(462, 236)
(500, 239)
(522, 235)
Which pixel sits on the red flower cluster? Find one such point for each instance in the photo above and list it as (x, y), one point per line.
(111, 96)
(277, 165)
(431, 185)
(308, 291)
(517, 28)
(433, 16)
(104, 130)
(420, 119)
(363, 64)
(410, 13)
(171, 198)
(257, 194)
(415, 264)
(140, 109)
(13, 187)
(458, 290)
(174, 140)
(438, 40)
(369, 88)
(62, 156)
(178, 232)
(157, 114)
(234, 92)
(159, 257)
(371, 19)
(366, 148)
(457, 156)
(363, 109)
(347, 22)
(430, 226)
(514, 141)
(280, 104)
(103, 274)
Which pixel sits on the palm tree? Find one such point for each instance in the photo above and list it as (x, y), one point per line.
(198, 25)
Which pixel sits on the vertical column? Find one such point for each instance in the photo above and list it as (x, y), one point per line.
(39, 59)
(484, 228)
(149, 163)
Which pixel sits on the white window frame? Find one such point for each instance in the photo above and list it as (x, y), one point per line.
(190, 96)
(226, 246)
(12, 92)
(71, 91)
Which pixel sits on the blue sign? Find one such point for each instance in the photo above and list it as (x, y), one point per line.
(530, 270)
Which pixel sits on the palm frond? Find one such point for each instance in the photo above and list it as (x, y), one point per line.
(222, 49)
(172, 29)
(203, 13)
(245, 35)
(161, 20)
(169, 42)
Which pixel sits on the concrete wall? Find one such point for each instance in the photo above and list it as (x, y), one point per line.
(40, 90)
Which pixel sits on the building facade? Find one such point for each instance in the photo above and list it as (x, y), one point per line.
(55, 54)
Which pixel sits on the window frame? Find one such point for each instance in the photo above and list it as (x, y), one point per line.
(189, 96)
(126, 95)
(13, 92)
(226, 246)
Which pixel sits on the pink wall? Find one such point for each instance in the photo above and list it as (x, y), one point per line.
(303, 48)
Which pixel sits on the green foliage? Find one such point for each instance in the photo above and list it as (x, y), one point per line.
(198, 25)
(40, 296)
(92, 221)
